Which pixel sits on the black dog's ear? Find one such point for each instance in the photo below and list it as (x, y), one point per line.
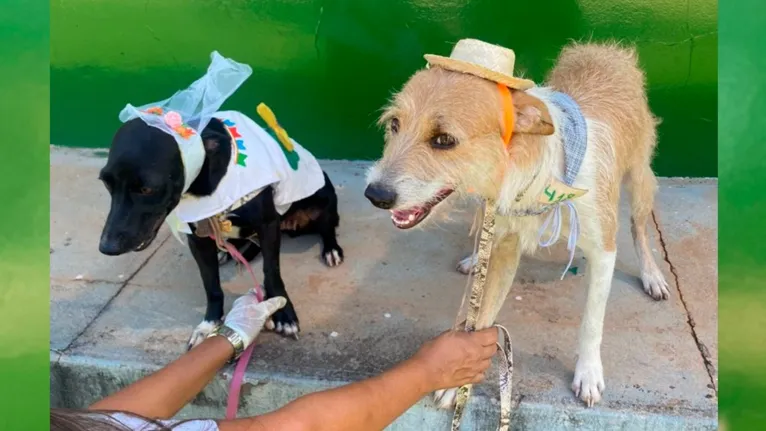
(213, 140)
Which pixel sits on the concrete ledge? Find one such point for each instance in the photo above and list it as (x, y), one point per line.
(115, 319)
(80, 381)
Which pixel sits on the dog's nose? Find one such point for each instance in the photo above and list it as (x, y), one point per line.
(111, 246)
(380, 196)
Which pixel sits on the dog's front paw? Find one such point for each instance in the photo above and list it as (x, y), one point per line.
(588, 383)
(285, 322)
(445, 398)
(202, 331)
(654, 282)
(332, 256)
(467, 265)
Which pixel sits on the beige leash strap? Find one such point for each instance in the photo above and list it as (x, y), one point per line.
(506, 379)
(486, 237)
(213, 227)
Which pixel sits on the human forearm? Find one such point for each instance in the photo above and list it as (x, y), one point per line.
(371, 404)
(449, 360)
(162, 394)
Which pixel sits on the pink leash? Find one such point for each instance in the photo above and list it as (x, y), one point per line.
(236, 382)
(232, 404)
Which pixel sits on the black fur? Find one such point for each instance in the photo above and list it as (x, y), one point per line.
(144, 176)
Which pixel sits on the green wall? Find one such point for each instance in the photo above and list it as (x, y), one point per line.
(327, 67)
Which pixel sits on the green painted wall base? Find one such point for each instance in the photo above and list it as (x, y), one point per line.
(327, 67)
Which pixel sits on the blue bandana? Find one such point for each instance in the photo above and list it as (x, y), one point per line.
(574, 133)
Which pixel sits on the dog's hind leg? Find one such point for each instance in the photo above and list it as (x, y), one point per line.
(205, 254)
(332, 254)
(328, 222)
(642, 185)
(503, 263)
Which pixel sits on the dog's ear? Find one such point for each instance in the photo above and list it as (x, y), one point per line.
(531, 114)
(213, 140)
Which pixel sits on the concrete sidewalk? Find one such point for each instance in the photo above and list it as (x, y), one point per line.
(115, 319)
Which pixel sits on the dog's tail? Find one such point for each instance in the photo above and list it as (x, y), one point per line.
(599, 72)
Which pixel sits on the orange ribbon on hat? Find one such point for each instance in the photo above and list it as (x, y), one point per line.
(508, 114)
(508, 117)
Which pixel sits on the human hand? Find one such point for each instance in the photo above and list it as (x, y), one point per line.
(456, 358)
(247, 315)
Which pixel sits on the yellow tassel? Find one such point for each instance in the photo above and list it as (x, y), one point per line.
(226, 226)
(271, 120)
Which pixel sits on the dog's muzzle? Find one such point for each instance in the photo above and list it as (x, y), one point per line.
(380, 196)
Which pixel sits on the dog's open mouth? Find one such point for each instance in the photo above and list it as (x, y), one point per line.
(411, 217)
(146, 243)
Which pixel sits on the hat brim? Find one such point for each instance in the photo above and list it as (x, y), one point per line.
(481, 72)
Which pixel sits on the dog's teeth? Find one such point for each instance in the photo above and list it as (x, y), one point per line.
(411, 217)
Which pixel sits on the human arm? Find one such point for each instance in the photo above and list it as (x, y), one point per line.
(450, 360)
(162, 394)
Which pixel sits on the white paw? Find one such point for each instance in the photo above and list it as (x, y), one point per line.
(467, 265)
(445, 398)
(333, 258)
(654, 283)
(202, 331)
(287, 329)
(588, 383)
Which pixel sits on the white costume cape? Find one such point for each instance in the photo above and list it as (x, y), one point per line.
(257, 161)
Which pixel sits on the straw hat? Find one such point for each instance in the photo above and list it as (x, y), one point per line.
(484, 60)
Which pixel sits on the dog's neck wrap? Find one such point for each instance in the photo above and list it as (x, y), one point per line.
(574, 133)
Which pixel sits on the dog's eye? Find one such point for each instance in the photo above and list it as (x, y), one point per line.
(145, 191)
(443, 141)
(394, 125)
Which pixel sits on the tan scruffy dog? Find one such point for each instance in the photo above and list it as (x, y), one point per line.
(453, 129)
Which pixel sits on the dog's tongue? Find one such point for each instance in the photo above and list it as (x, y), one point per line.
(405, 216)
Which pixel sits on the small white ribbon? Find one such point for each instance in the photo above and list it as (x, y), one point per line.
(574, 230)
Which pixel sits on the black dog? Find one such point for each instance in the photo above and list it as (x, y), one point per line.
(144, 175)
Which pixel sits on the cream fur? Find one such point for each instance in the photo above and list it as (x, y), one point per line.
(609, 86)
